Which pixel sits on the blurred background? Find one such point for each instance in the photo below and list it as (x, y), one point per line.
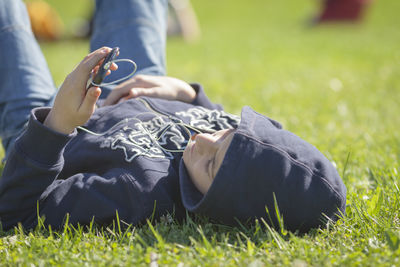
(328, 76)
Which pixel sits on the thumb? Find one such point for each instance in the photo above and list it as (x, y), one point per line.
(89, 102)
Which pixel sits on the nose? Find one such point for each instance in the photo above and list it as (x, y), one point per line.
(206, 143)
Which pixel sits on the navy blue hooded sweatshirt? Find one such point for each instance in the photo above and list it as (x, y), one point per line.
(127, 159)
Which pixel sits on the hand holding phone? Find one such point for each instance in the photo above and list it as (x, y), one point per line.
(73, 106)
(103, 69)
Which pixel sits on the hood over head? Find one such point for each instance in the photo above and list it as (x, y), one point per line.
(264, 162)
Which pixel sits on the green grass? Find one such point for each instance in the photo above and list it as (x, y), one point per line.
(336, 86)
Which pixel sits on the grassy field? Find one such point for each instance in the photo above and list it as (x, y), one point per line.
(336, 86)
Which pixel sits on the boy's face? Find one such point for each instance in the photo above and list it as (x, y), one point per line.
(204, 155)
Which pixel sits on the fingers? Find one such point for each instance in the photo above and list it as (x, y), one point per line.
(127, 92)
(114, 66)
(140, 85)
(115, 95)
(119, 92)
(93, 59)
(143, 81)
(91, 63)
(136, 92)
(89, 102)
(94, 71)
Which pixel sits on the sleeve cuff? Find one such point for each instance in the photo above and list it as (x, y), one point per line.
(40, 143)
(201, 98)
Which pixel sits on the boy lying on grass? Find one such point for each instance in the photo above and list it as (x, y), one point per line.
(154, 146)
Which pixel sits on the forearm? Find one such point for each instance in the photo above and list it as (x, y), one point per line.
(34, 163)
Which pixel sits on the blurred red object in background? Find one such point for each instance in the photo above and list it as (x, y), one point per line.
(342, 10)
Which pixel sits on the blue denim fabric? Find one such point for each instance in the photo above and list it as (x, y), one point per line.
(138, 27)
(25, 81)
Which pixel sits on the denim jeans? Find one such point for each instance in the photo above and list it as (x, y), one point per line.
(137, 27)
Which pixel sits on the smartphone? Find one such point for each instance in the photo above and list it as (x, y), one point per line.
(105, 66)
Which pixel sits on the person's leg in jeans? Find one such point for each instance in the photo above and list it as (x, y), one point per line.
(138, 28)
(25, 80)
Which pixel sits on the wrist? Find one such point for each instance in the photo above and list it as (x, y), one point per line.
(57, 124)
